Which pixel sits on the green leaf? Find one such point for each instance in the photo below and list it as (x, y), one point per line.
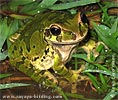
(114, 28)
(103, 80)
(58, 89)
(4, 75)
(20, 2)
(29, 9)
(18, 16)
(82, 56)
(72, 4)
(77, 96)
(105, 35)
(110, 95)
(99, 47)
(111, 4)
(3, 55)
(3, 34)
(13, 27)
(7, 28)
(36, 7)
(46, 3)
(95, 82)
(12, 85)
(115, 75)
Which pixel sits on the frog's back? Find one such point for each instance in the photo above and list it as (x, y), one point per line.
(31, 41)
(29, 44)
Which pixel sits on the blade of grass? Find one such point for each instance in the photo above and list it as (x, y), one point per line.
(103, 81)
(103, 72)
(72, 4)
(36, 7)
(95, 82)
(58, 89)
(4, 75)
(114, 28)
(110, 95)
(20, 2)
(12, 85)
(28, 9)
(46, 3)
(3, 31)
(84, 57)
(106, 37)
(77, 96)
(3, 55)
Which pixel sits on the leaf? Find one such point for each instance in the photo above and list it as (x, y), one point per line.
(20, 2)
(3, 55)
(3, 31)
(36, 7)
(103, 80)
(115, 75)
(105, 35)
(13, 27)
(95, 82)
(28, 9)
(46, 3)
(114, 28)
(72, 4)
(58, 89)
(18, 16)
(110, 95)
(4, 75)
(11, 85)
(7, 28)
(82, 56)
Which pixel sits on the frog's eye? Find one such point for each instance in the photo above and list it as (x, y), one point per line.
(83, 18)
(55, 30)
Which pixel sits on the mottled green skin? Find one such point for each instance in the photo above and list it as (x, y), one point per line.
(34, 53)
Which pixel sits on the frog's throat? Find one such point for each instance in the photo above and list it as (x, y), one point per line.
(65, 51)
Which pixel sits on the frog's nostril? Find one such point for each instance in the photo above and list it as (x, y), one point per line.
(47, 32)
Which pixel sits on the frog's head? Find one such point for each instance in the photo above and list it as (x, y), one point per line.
(66, 28)
(65, 31)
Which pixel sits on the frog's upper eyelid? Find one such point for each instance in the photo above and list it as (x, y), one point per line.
(57, 25)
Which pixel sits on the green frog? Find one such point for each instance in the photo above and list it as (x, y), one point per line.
(46, 44)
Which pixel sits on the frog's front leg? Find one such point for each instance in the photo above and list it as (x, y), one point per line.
(40, 76)
(81, 77)
(60, 69)
(70, 75)
(44, 77)
(73, 76)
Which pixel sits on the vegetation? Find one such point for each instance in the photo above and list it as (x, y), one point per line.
(100, 57)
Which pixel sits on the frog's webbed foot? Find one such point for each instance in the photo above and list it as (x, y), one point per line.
(91, 85)
(49, 77)
(80, 78)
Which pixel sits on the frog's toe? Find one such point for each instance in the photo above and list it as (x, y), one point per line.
(83, 78)
(51, 77)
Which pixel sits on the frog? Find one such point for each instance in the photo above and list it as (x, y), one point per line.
(46, 44)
